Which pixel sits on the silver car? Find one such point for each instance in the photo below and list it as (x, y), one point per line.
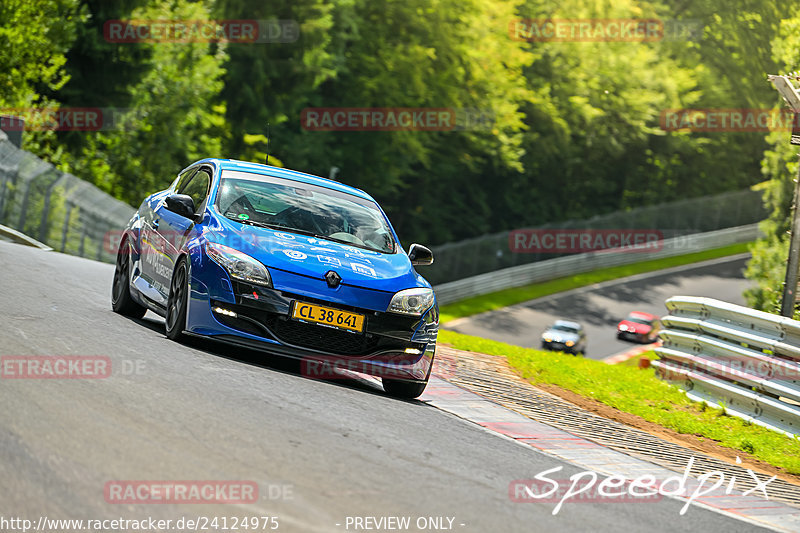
(565, 336)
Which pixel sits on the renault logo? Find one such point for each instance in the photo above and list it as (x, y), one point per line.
(333, 279)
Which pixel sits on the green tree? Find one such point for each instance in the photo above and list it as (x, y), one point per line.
(767, 267)
(175, 115)
(34, 37)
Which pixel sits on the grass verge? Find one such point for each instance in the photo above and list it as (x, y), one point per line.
(504, 298)
(639, 392)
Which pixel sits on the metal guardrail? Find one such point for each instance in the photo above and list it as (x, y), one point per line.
(733, 357)
(490, 253)
(63, 211)
(575, 264)
(73, 216)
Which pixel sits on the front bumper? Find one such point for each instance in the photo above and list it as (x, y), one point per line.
(391, 346)
(632, 336)
(558, 347)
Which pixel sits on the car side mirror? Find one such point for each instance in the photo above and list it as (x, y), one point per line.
(180, 204)
(420, 255)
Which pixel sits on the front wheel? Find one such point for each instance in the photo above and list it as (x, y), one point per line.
(177, 302)
(404, 389)
(121, 300)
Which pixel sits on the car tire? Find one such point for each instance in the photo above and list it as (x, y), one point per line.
(121, 300)
(177, 302)
(407, 390)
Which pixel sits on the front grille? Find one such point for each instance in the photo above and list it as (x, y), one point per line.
(311, 336)
(322, 338)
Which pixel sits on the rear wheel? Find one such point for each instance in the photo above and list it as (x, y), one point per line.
(121, 300)
(177, 302)
(403, 389)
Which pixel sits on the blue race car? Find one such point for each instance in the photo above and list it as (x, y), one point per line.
(283, 262)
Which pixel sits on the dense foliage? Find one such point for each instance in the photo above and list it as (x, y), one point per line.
(574, 131)
(768, 265)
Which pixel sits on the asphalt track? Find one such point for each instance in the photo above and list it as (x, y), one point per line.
(600, 307)
(319, 451)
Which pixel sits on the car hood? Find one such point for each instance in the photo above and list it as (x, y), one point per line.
(635, 327)
(312, 257)
(559, 336)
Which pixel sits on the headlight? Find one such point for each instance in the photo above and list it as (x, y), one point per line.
(548, 339)
(411, 301)
(570, 343)
(623, 327)
(240, 266)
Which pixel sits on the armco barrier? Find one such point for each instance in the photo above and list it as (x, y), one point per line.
(73, 216)
(734, 357)
(491, 253)
(66, 213)
(575, 264)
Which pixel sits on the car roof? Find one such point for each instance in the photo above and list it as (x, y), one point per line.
(567, 323)
(642, 315)
(269, 170)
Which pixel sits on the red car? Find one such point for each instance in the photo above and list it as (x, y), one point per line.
(639, 327)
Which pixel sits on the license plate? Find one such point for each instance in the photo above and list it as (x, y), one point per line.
(328, 316)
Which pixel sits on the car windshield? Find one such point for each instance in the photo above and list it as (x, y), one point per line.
(639, 320)
(297, 207)
(561, 327)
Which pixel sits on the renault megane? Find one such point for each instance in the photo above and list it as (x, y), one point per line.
(284, 262)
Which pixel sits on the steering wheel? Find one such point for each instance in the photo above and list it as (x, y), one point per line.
(242, 204)
(298, 218)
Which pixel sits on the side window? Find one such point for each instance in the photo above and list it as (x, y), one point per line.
(197, 187)
(184, 178)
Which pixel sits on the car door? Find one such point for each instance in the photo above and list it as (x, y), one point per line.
(171, 230)
(153, 246)
(176, 229)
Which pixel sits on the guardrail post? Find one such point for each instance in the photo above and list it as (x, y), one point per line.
(791, 95)
(790, 281)
(46, 209)
(24, 209)
(70, 207)
(83, 241)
